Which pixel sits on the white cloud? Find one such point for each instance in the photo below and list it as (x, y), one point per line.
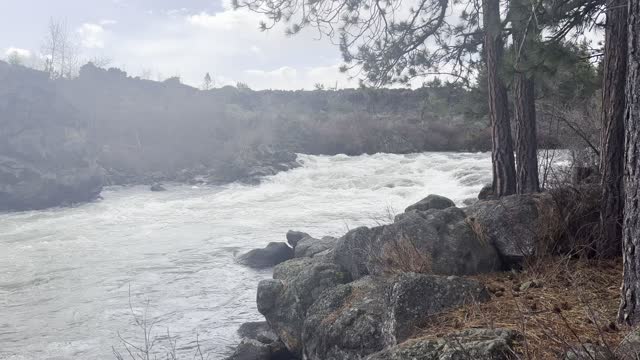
(22, 53)
(229, 45)
(92, 36)
(106, 22)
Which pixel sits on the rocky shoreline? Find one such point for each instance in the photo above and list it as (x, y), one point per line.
(35, 186)
(367, 294)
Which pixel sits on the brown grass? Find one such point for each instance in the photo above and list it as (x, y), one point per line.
(558, 305)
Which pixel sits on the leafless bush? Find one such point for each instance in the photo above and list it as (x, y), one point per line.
(148, 347)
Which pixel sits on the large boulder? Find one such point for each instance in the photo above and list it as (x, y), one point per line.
(431, 202)
(477, 344)
(433, 241)
(296, 284)
(516, 225)
(365, 316)
(274, 253)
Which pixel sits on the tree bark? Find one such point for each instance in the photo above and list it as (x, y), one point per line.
(630, 305)
(525, 35)
(612, 135)
(504, 174)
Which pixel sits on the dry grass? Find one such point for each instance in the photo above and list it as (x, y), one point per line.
(558, 305)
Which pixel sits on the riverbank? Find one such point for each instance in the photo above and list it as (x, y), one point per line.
(500, 279)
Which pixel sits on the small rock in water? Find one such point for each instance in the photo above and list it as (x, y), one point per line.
(294, 236)
(158, 187)
(274, 253)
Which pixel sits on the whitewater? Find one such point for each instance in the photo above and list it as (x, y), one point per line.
(70, 277)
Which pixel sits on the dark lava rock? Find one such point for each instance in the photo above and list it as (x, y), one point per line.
(294, 236)
(274, 253)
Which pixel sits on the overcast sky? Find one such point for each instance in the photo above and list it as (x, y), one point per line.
(187, 38)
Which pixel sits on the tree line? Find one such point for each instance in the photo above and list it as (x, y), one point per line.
(506, 43)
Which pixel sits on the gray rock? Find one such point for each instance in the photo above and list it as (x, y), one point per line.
(294, 236)
(433, 241)
(629, 348)
(284, 300)
(590, 352)
(363, 317)
(431, 202)
(477, 344)
(347, 321)
(157, 187)
(309, 247)
(258, 330)
(413, 298)
(514, 224)
(486, 193)
(274, 253)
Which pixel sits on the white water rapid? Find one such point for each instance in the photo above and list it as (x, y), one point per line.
(67, 274)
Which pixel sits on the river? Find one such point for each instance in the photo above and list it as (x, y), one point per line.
(70, 277)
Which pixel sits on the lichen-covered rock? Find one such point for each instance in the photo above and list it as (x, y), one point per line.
(274, 253)
(359, 318)
(285, 299)
(413, 298)
(432, 201)
(516, 225)
(433, 241)
(477, 344)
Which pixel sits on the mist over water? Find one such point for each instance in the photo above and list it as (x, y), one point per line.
(67, 274)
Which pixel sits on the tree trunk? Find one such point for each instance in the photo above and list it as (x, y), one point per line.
(504, 173)
(524, 41)
(630, 305)
(612, 136)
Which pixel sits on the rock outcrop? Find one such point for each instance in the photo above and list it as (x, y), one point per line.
(45, 156)
(367, 294)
